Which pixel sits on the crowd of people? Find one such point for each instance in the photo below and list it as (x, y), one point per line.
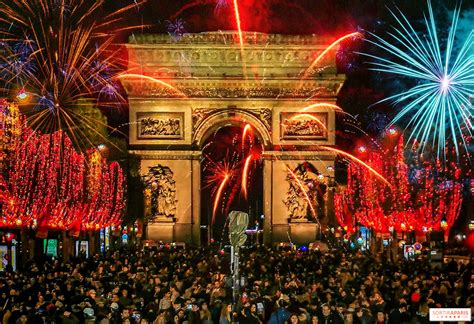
(195, 286)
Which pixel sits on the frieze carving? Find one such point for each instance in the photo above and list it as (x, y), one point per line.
(265, 116)
(225, 38)
(192, 56)
(306, 126)
(157, 125)
(160, 193)
(152, 90)
(305, 198)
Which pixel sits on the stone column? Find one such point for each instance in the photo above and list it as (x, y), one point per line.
(196, 201)
(161, 229)
(267, 200)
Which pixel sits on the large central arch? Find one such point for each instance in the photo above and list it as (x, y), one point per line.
(208, 88)
(230, 117)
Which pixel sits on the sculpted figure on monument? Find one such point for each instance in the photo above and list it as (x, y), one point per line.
(160, 193)
(305, 186)
(154, 127)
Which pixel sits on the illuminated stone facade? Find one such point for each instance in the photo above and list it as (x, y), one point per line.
(201, 82)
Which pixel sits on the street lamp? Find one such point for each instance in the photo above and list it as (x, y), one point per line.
(444, 224)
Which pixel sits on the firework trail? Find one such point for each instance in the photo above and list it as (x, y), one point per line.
(219, 194)
(310, 70)
(357, 160)
(245, 174)
(300, 185)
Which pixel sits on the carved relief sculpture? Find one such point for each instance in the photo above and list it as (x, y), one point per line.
(303, 126)
(265, 115)
(160, 125)
(214, 91)
(160, 193)
(305, 198)
(200, 114)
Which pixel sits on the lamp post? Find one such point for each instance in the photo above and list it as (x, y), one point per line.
(444, 226)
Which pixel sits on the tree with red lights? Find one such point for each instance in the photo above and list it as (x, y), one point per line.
(47, 184)
(424, 197)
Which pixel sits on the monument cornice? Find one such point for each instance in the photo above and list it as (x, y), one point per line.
(319, 155)
(229, 38)
(192, 56)
(167, 155)
(185, 88)
(218, 53)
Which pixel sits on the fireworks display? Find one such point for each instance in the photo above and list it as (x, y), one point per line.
(176, 28)
(59, 52)
(232, 157)
(59, 58)
(438, 108)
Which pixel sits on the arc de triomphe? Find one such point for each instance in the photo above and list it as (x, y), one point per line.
(193, 85)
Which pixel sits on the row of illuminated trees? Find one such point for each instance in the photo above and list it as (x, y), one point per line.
(421, 195)
(46, 184)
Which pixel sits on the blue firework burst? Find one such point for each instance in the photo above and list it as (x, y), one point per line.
(176, 28)
(438, 108)
(376, 121)
(45, 101)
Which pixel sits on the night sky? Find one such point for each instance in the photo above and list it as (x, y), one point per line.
(329, 17)
(333, 18)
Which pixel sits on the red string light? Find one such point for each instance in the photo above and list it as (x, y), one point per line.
(49, 185)
(427, 202)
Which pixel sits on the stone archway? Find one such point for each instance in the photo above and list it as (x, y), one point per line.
(230, 116)
(208, 90)
(211, 134)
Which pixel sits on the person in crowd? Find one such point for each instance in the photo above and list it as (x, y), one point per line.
(293, 319)
(226, 314)
(329, 317)
(205, 314)
(399, 315)
(281, 314)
